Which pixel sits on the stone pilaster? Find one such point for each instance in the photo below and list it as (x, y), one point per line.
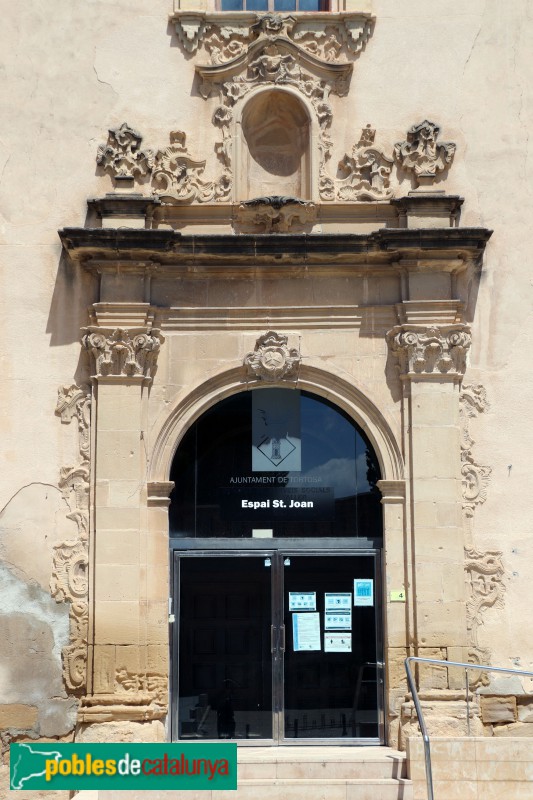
(129, 631)
(432, 360)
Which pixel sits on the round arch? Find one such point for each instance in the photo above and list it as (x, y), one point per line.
(348, 397)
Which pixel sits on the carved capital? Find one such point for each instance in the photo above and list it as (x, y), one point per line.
(122, 155)
(272, 360)
(122, 353)
(391, 491)
(425, 351)
(422, 154)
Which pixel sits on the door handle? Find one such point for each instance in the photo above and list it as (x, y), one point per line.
(282, 638)
(272, 642)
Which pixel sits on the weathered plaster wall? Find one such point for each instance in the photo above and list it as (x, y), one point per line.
(71, 71)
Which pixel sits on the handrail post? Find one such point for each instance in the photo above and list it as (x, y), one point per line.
(423, 730)
(418, 707)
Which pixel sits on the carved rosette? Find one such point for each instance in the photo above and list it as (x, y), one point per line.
(276, 214)
(422, 154)
(122, 155)
(122, 353)
(272, 360)
(430, 350)
(69, 582)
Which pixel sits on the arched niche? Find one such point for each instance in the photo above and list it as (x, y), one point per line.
(275, 146)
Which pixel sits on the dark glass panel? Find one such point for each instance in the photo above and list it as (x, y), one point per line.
(331, 692)
(225, 663)
(333, 491)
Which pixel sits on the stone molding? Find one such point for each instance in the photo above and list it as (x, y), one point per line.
(422, 154)
(69, 582)
(428, 351)
(272, 360)
(276, 214)
(123, 353)
(159, 493)
(226, 35)
(391, 491)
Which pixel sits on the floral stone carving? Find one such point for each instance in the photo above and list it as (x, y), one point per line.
(422, 154)
(122, 155)
(475, 477)
(177, 175)
(423, 350)
(225, 36)
(366, 173)
(272, 360)
(485, 589)
(276, 214)
(69, 582)
(123, 353)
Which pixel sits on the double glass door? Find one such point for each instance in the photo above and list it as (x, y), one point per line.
(279, 647)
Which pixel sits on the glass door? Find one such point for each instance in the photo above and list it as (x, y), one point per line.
(332, 682)
(278, 647)
(223, 647)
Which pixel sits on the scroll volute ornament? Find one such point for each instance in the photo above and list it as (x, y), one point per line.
(272, 360)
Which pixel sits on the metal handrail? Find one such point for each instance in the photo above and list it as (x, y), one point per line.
(418, 707)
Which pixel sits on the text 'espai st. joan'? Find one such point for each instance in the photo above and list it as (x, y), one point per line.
(277, 504)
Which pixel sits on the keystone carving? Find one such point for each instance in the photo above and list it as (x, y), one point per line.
(423, 350)
(422, 154)
(122, 155)
(272, 360)
(69, 582)
(123, 353)
(276, 214)
(366, 173)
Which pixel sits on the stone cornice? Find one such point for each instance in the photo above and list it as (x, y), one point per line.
(428, 248)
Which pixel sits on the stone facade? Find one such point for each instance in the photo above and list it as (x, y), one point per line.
(383, 265)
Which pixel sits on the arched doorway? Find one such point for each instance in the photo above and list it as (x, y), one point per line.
(276, 533)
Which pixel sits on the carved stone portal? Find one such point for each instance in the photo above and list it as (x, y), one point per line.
(271, 359)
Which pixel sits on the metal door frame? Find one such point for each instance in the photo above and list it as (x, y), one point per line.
(277, 550)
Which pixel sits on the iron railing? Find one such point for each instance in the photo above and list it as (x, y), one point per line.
(418, 707)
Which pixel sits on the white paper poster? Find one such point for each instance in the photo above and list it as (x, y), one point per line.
(338, 642)
(302, 601)
(363, 592)
(306, 631)
(338, 620)
(335, 601)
